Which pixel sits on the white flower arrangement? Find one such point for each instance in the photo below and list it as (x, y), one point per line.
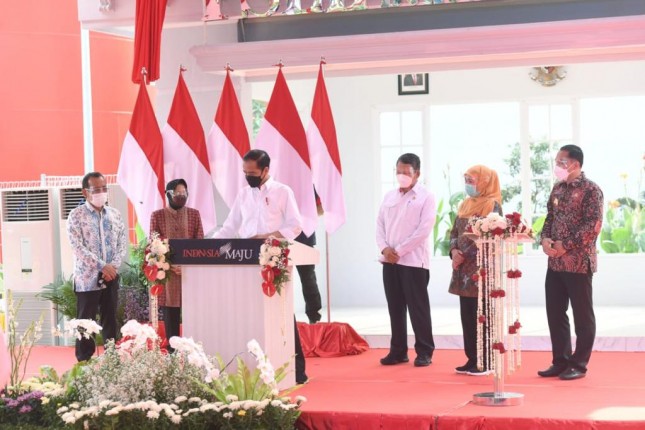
(267, 373)
(274, 259)
(148, 388)
(136, 336)
(157, 257)
(495, 224)
(82, 328)
(195, 355)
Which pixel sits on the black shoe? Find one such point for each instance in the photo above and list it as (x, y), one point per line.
(572, 373)
(551, 371)
(389, 360)
(302, 379)
(464, 369)
(313, 319)
(422, 361)
(474, 371)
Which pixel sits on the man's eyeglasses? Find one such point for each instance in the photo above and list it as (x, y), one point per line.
(562, 162)
(97, 190)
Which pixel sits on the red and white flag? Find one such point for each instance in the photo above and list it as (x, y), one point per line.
(185, 154)
(325, 158)
(228, 142)
(140, 171)
(283, 137)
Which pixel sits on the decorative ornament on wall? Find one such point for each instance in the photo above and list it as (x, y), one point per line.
(106, 5)
(548, 76)
(248, 11)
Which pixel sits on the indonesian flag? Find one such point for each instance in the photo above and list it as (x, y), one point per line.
(185, 154)
(325, 159)
(228, 142)
(283, 137)
(140, 171)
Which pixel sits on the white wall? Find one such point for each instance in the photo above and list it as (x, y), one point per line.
(355, 274)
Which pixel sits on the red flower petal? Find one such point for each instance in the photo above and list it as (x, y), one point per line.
(268, 289)
(156, 289)
(151, 272)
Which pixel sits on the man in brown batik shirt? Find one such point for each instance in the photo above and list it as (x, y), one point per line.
(572, 225)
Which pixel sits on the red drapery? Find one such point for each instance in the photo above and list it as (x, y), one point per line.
(330, 340)
(147, 38)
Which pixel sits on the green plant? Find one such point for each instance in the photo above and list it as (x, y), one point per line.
(623, 228)
(541, 166)
(446, 219)
(259, 108)
(61, 294)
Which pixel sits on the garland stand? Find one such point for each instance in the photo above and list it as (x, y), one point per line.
(499, 349)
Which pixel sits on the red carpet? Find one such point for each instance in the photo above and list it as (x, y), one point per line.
(356, 392)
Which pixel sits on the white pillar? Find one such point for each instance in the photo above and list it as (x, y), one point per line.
(86, 83)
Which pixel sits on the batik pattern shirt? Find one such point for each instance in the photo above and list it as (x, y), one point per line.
(574, 216)
(185, 223)
(97, 239)
(462, 282)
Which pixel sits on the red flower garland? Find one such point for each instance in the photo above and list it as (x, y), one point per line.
(500, 347)
(513, 274)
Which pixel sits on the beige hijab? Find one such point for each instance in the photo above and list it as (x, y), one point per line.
(489, 193)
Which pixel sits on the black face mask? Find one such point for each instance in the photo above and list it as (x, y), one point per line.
(254, 181)
(178, 202)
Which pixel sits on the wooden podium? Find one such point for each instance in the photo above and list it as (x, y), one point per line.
(223, 303)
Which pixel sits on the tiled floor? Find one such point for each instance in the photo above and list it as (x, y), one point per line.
(618, 328)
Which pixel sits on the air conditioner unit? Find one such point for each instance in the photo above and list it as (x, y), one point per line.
(32, 308)
(71, 198)
(28, 241)
(29, 252)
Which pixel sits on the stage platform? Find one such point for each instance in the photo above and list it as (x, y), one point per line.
(356, 392)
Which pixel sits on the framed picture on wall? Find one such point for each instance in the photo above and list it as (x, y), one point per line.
(414, 83)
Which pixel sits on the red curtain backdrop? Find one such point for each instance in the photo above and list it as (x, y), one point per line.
(147, 38)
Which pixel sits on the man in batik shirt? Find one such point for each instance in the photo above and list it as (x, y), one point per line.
(572, 225)
(98, 238)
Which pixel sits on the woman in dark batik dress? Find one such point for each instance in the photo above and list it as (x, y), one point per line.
(175, 222)
(483, 196)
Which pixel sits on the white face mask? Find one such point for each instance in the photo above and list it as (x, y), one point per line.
(404, 180)
(98, 200)
(561, 173)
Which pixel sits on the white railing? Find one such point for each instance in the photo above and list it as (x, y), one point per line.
(52, 181)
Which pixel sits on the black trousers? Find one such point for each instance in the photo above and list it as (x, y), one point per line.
(406, 289)
(561, 289)
(301, 375)
(88, 305)
(171, 317)
(468, 308)
(310, 291)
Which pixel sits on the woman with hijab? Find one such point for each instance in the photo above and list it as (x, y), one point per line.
(483, 196)
(175, 222)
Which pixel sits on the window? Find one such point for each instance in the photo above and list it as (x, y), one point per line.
(462, 136)
(399, 132)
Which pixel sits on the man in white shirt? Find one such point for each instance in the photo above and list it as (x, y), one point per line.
(265, 208)
(404, 223)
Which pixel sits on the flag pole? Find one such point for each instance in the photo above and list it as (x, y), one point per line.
(327, 277)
